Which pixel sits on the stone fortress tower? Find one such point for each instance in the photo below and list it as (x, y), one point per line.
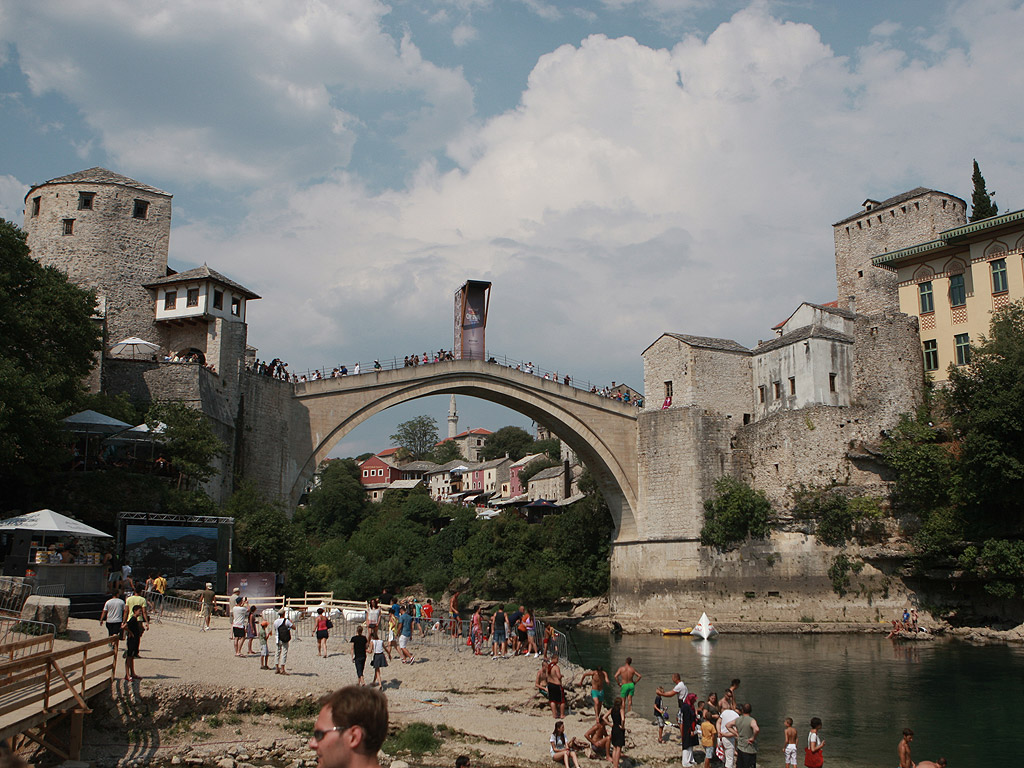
(913, 217)
(111, 234)
(806, 408)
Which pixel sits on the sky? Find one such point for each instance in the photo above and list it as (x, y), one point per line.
(616, 168)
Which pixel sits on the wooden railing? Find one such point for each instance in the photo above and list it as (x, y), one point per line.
(38, 688)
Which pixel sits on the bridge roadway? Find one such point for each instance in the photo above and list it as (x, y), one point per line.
(601, 431)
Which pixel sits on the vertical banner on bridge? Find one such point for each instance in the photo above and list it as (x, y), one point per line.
(471, 302)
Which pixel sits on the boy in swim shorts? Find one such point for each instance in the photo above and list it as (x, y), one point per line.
(790, 748)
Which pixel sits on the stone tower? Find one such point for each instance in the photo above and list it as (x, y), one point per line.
(901, 221)
(106, 232)
(453, 419)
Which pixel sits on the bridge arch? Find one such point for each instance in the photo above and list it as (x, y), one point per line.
(601, 431)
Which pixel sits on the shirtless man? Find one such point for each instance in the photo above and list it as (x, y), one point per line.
(627, 677)
(903, 749)
(940, 763)
(556, 695)
(453, 609)
(541, 681)
(600, 740)
(598, 680)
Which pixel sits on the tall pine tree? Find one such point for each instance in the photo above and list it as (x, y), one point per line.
(982, 206)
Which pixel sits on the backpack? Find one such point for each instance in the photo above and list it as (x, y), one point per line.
(284, 635)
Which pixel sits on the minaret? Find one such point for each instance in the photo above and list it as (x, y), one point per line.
(453, 419)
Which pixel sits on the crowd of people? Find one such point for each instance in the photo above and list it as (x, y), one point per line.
(275, 369)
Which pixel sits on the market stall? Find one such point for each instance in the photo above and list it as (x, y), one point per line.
(53, 548)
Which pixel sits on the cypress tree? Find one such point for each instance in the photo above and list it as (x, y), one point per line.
(982, 206)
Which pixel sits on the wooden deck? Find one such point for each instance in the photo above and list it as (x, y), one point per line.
(43, 687)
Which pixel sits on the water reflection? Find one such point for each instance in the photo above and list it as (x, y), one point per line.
(866, 689)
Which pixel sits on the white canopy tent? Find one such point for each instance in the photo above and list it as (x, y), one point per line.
(48, 521)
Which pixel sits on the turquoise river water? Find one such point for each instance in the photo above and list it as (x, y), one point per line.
(961, 700)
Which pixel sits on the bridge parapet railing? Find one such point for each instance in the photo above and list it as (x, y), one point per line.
(526, 366)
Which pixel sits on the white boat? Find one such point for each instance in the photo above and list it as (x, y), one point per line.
(704, 629)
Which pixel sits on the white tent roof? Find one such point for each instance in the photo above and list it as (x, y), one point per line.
(48, 521)
(92, 422)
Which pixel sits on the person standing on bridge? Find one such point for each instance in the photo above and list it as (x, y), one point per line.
(355, 369)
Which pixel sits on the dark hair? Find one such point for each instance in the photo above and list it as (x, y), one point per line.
(629, 659)
(558, 723)
(735, 683)
(815, 722)
(745, 708)
(789, 721)
(462, 761)
(908, 732)
(362, 706)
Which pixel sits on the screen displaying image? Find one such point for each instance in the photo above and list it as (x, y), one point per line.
(186, 555)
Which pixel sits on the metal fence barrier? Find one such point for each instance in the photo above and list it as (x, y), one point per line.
(176, 609)
(14, 630)
(13, 593)
(49, 590)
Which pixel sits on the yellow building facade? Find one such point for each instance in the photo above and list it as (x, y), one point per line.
(953, 284)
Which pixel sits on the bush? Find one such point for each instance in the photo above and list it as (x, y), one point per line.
(839, 519)
(735, 513)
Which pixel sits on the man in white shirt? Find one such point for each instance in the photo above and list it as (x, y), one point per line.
(113, 617)
(725, 737)
(282, 636)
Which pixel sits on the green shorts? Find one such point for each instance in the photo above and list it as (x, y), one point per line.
(627, 690)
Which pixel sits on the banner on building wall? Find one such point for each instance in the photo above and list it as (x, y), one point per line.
(471, 302)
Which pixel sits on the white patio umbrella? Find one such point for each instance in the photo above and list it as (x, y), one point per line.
(48, 521)
(135, 345)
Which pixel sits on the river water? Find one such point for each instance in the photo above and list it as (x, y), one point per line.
(961, 700)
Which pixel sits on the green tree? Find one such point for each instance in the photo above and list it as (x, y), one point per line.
(532, 468)
(337, 504)
(188, 441)
(264, 536)
(47, 344)
(985, 401)
(417, 436)
(446, 451)
(516, 442)
(736, 512)
(982, 206)
(924, 467)
(552, 447)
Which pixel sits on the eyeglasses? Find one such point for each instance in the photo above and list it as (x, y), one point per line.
(318, 735)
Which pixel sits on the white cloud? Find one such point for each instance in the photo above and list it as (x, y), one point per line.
(231, 92)
(632, 191)
(12, 199)
(464, 34)
(886, 29)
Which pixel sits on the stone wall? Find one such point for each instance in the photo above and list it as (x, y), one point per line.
(910, 220)
(270, 418)
(783, 579)
(145, 381)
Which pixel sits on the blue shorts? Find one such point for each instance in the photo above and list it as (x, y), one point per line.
(499, 637)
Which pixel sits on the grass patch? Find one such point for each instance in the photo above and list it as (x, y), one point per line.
(259, 708)
(416, 738)
(182, 725)
(214, 721)
(201, 734)
(233, 719)
(300, 727)
(303, 709)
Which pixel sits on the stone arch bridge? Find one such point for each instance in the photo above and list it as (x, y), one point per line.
(601, 431)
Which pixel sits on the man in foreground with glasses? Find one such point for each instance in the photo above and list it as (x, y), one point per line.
(351, 728)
